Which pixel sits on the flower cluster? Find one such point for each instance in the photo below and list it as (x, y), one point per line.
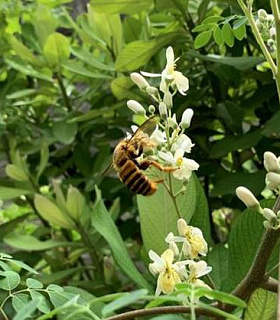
(170, 273)
(272, 180)
(171, 141)
(266, 25)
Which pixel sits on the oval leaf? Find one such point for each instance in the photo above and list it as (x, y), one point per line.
(202, 39)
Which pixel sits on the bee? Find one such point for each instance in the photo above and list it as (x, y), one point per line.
(129, 169)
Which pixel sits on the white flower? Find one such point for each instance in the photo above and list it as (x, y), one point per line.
(136, 107)
(167, 99)
(247, 197)
(169, 273)
(183, 142)
(193, 240)
(185, 166)
(170, 76)
(197, 270)
(172, 122)
(186, 118)
(158, 137)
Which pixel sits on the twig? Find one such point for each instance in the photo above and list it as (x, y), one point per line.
(63, 91)
(160, 310)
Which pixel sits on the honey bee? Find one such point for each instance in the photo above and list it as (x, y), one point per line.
(129, 169)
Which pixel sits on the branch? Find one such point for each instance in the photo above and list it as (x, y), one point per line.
(63, 91)
(161, 310)
(271, 285)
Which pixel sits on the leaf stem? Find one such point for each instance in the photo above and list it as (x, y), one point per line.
(172, 196)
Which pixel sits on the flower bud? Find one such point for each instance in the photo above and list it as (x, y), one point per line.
(272, 33)
(270, 162)
(152, 91)
(247, 197)
(269, 214)
(167, 99)
(152, 109)
(136, 107)
(272, 180)
(186, 118)
(162, 110)
(270, 43)
(139, 80)
(262, 15)
(270, 18)
(173, 122)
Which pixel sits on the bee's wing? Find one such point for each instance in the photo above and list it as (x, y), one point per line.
(108, 169)
(148, 127)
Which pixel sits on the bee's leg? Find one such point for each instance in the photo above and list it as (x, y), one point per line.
(144, 165)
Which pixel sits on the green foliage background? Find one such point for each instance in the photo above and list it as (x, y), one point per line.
(64, 83)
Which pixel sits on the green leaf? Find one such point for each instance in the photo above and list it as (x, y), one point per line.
(16, 173)
(217, 258)
(9, 226)
(212, 19)
(44, 158)
(240, 32)
(11, 193)
(271, 127)
(202, 39)
(50, 212)
(217, 33)
(23, 265)
(90, 59)
(79, 69)
(123, 301)
(59, 298)
(131, 29)
(21, 94)
(262, 305)
(27, 310)
(121, 6)
(108, 27)
(19, 300)
(65, 132)
(231, 143)
(221, 296)
(44, 305)
(239, 22)
(138, 53)
(56, 49)
(226, 182)
(30, 243)
(243, 242)
(158, 215)
(26, 69)
(34, 284)
(240, 63)
(75, 203)
(227, 34)
(103, 223)
(22, 51)
(11, 280)
(44, 23)
(121, 88)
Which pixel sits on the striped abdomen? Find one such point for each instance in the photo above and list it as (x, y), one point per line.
(135, 180)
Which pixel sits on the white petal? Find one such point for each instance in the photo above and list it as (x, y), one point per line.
(170, 56)
(182, 82)
(179, 154)
(156, 258)
(152, 75)
(182, 226)
(190, 164)
(167, 156)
